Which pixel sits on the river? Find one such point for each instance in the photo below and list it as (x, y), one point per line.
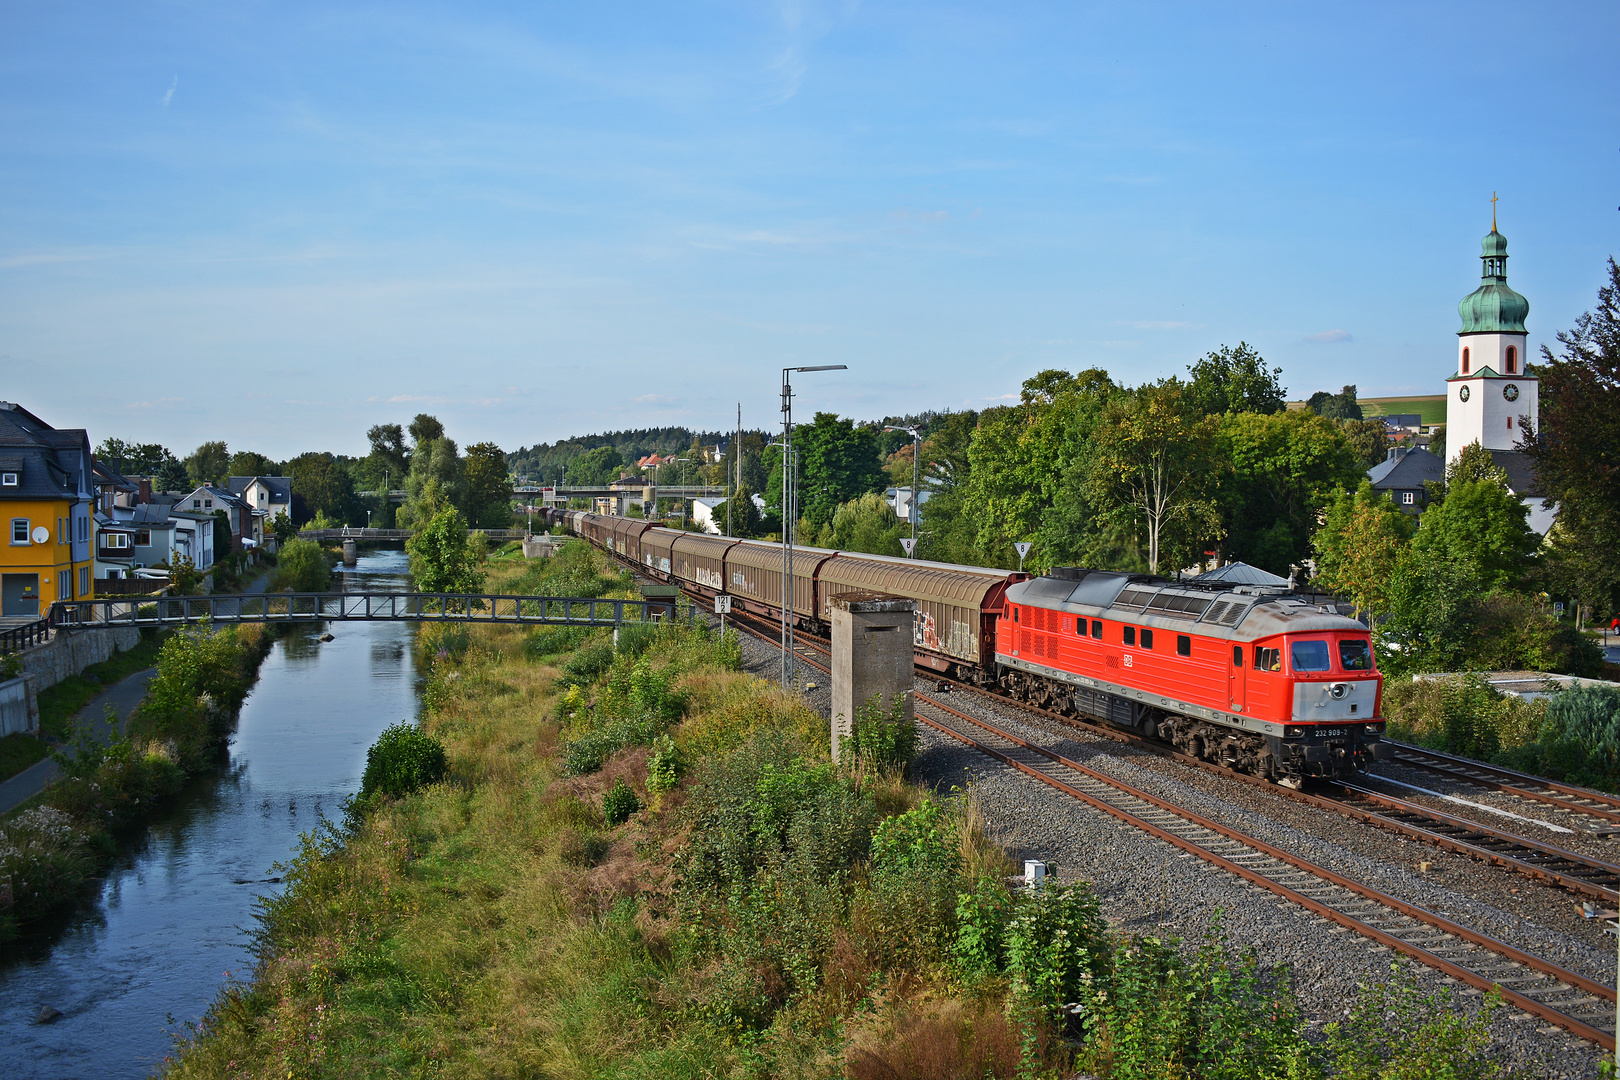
(171, 920)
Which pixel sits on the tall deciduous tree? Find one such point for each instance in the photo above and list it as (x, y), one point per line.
(1370, 441)
(1284, 467)
(489, 488)
(1153, 470)
(1235, 380)
(437, 473)
(208, 464)
(442, 559)
(839, 462)
(323, 486)
(248, 463)
(1577, 447)
(388, 448)
(1361, 549)
(1481, 528)
(425, 429)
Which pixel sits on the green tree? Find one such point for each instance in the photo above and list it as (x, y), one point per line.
(1481, 528)
(324, 485)
(945, 526)
(745, 516)
(839, 462)
(437, 475)
(1235, 380)
(489, 487)
(600, 465)
(388, 448)
(1285, 467)
(1362, 547)
(442, 560)
(208, 464)
(302, 567)
(171, 475)
(1340, 406)
(1369, 439)
(248, 463)
(222, 534)
(282, 527)
(1153, 469)
(138, 459)
(867, 524)
(425, 429)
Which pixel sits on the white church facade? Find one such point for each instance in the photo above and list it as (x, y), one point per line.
(1491, 400)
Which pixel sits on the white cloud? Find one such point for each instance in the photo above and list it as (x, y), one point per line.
(169, 94)
(1327, 337)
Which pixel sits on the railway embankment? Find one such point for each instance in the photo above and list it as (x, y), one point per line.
(641, 862)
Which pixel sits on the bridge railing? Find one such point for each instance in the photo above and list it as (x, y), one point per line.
(171, 611)
(356, 533)
(26, 636)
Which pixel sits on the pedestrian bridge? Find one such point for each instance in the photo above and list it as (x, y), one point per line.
(175, 611)
(396, 534)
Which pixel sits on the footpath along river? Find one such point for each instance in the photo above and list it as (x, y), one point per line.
(171, 920)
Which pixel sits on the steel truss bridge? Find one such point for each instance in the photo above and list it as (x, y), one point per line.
(175, 611)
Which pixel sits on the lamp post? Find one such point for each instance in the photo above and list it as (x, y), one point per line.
(789, 513)
(684, 462)
(916, 466)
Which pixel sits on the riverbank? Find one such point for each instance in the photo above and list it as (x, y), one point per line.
(112, 780)
(642, 863)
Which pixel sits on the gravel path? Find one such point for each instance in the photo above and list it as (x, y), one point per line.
(1150, 887)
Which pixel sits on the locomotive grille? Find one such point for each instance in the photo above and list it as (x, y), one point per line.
(1217, 610)
(1134, 598)
(1234, 616)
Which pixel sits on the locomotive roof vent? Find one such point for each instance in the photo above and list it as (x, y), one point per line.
(1068, 573)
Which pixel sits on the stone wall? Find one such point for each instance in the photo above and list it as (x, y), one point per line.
(71, 651)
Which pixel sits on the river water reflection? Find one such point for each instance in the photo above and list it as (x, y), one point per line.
(173, 915)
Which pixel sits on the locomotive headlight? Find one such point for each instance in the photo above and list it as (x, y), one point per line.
(1339, 689)
(1374, 729)
(1293, 732)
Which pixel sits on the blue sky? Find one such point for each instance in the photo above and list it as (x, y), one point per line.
(278, 224)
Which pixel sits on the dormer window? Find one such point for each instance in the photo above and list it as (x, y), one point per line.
(1465, 360)
(8, 479)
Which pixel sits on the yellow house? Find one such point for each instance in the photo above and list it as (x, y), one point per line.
(46, 501)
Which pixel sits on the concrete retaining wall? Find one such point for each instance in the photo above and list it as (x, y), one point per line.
(19, 707)
(71, 651)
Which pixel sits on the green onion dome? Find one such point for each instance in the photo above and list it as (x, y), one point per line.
(1493, 307)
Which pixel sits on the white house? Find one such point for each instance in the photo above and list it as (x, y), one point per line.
(266, 496)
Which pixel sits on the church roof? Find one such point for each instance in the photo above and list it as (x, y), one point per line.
(1493, 307)
(1521, 472)
(1407, 470)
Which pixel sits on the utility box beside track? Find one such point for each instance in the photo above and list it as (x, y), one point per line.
(872, 655)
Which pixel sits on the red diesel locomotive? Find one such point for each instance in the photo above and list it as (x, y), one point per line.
(1253, 678)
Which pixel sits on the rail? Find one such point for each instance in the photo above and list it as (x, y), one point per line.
(171, 611)
(26, 636)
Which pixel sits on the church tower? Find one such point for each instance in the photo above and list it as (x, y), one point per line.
(1490, 395)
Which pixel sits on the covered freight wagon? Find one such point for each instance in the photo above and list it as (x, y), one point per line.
(754, 573)
(698, 559)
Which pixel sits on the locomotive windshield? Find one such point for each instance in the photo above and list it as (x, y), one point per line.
(1309, 655)
(1354, 655)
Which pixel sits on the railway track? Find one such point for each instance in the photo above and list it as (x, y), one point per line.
(1537, 987)
(1576, 800)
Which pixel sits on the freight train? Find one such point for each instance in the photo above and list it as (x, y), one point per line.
(1256, 679)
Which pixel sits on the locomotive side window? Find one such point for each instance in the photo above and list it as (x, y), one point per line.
(1080, 627)
(1147, 638)
(1015, 614)
(1183, 645)
(1308, 655)
(1130, 635)
(1354, 655)
(1096, 629)
(1237, 656)
(1267, 659)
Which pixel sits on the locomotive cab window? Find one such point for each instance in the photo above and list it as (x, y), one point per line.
(1267, 659)
(1237, 656)
(1147, 638)
(1096, 629)
(1354, 655)
(1183, 645)
(1130, 635)
(1308, 655)
(1015, 614)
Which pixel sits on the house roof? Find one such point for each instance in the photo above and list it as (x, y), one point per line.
(107, 476)
(1407, 470)
(150, 515)
(1241, 573)
(49, 463)
(280, 486)
(1521, 472)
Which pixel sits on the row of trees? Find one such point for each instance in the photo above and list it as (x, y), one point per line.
(327, 487)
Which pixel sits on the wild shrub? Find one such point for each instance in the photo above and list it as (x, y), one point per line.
(1057, 947)
(1579, 739)
(1396, 1031)
(551, 640)
(443, 641)
(636, 687)
(301, 567)
(1462, 714)
(636, 638)
(44, 855)
(883, 738)
(982, 915)
(915, 876)
(587, 665)
(590, 751)
(403, 759)
(666, 766)
(619, 803)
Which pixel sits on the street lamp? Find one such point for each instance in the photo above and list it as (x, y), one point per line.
(916, 465)
(683, 462)
(789, 514)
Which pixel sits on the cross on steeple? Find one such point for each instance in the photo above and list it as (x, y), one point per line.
(1493, 211)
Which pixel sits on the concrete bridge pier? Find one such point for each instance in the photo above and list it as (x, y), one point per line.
(351, 553)
(872, 657)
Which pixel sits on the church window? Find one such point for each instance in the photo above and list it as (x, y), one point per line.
(1465, 361)
(1512, 360)
(1510, 423)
